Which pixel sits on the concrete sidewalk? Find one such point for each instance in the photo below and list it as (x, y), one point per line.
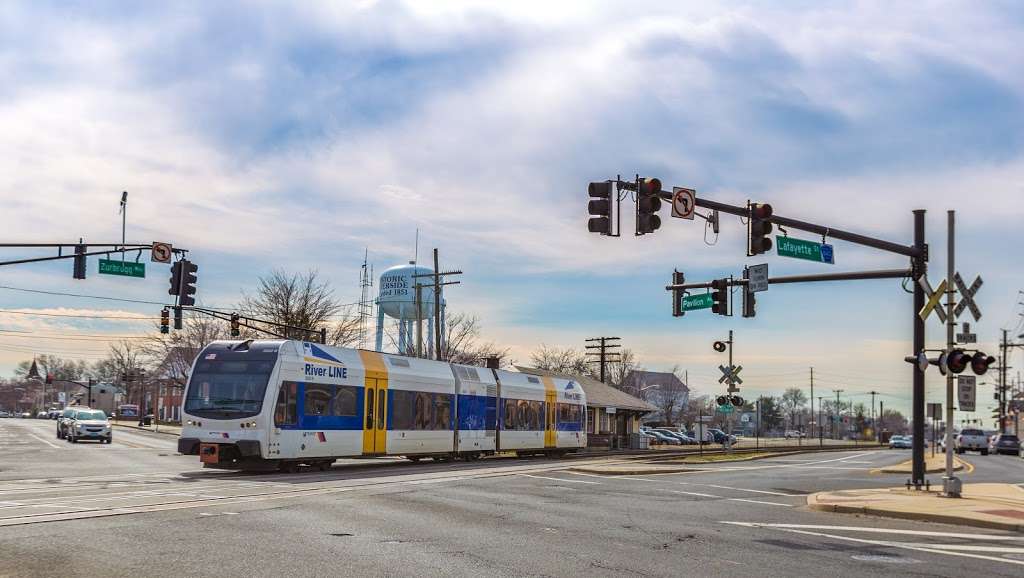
(932, 464)
(999, 506)
(174, 430)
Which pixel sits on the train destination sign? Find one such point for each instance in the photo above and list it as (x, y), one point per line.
(702, 301)
(801, 249)
(123, 268)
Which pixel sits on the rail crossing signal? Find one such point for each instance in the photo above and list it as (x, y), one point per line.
(165, 320)
(600, 207)
(648, 202)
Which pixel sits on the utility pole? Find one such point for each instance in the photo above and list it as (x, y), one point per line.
(438, 282)
(874, 425)
(604, 356)
(1002, 381)
(951, 484)
(821, 430)
(839, 413)
(812, 403)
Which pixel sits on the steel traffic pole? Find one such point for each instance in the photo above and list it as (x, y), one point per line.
(950, 483)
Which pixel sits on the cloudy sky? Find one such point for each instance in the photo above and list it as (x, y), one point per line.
(262, 135)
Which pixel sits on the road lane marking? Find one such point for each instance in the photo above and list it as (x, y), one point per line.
(559, 479)
(744, 489)
(698, 494)
(874, 530)
(759, 502)
(885, 543)
(46, 441)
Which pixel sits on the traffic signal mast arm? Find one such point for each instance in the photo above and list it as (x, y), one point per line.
(742, 211)
(115, 248)
(846, 276)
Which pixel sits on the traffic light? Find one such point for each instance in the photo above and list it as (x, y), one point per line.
(165, 321)
(234, 325)
(719, 346)
(79, 265)
(188, 282)
(175, 279)
(678, 278)
(177, 318)
(759, 229)
(600, 207)
(720, 296)
(980, 362)
(749, 300)
(648, 202)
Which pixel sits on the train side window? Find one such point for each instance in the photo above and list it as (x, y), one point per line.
(442, 411)
(369, 408)
(402, 409)
(509, 421)
(317, 399)
(285, 412)
(382, 396)
(345, 401)
(423, 418)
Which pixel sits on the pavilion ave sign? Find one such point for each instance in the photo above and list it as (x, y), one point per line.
(801, 249)
(123, 268)
(692, 302)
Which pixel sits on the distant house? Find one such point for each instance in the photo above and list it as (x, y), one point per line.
(612, 414)
(656, 385)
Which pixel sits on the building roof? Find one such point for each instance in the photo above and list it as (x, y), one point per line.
(598, 394)
(639, 378)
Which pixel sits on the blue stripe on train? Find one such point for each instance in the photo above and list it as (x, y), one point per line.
(477, 412)
(569, 426)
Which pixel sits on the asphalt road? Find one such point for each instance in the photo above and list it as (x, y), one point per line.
(135, 507)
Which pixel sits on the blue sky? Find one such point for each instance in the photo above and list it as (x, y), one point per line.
(264, 135)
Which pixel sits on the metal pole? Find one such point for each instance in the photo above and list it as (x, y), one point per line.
(920, 267)
(1002, 383)
(419, 319)
(437, 308)
(812, 403)
(728, 436)
(757, 436)
(951, 485)
(821, 430)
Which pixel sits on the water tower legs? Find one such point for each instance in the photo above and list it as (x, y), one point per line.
(380, 329)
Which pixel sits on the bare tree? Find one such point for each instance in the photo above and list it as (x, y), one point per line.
(569, 360)
(122, 357)
(302, 301)
(171, 354)
(617, 371)
(669, 396)
(463, 344)
(792, 402)
(58, 367)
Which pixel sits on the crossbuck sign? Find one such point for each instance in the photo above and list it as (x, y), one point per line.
(730, 375)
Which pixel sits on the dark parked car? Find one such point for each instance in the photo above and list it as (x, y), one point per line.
(720, 436)
(1006, 444)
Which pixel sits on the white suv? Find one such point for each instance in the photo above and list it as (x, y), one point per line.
(88, 424)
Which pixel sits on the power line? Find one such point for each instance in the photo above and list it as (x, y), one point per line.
(43, 292)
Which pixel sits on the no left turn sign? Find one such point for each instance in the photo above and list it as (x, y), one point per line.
(684, 201)
(161, 253)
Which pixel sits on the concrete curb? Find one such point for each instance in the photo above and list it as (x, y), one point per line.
(140, 428)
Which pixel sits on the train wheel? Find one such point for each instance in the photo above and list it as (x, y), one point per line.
(288, 467)
(414, 459)
(325, 465)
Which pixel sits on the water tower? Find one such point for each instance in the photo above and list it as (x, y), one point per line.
(398, 300)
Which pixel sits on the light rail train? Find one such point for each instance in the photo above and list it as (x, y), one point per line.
(259, 404)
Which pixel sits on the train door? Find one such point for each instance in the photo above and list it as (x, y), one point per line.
(549, 426)
(375, 416)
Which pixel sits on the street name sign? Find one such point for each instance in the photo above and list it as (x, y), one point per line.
(966, 392)
(692, 302)
(123, 268)
(684, 201)
(801, 249)
(758, 277)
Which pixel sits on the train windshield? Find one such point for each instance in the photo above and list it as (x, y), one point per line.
(228, 389)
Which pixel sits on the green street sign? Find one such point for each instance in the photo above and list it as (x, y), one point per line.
(702, 301)
(123, 268)
(726, 408)
(801, 249)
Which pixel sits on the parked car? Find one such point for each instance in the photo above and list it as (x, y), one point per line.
(795, 434)
(4, 414)
(664, 438)
(683, 438)
(26, 415)
(971, 440)
(42, 415)
(54, 413)
(89, 424)
(720, 436)
(1006, 444)
(899, 442)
